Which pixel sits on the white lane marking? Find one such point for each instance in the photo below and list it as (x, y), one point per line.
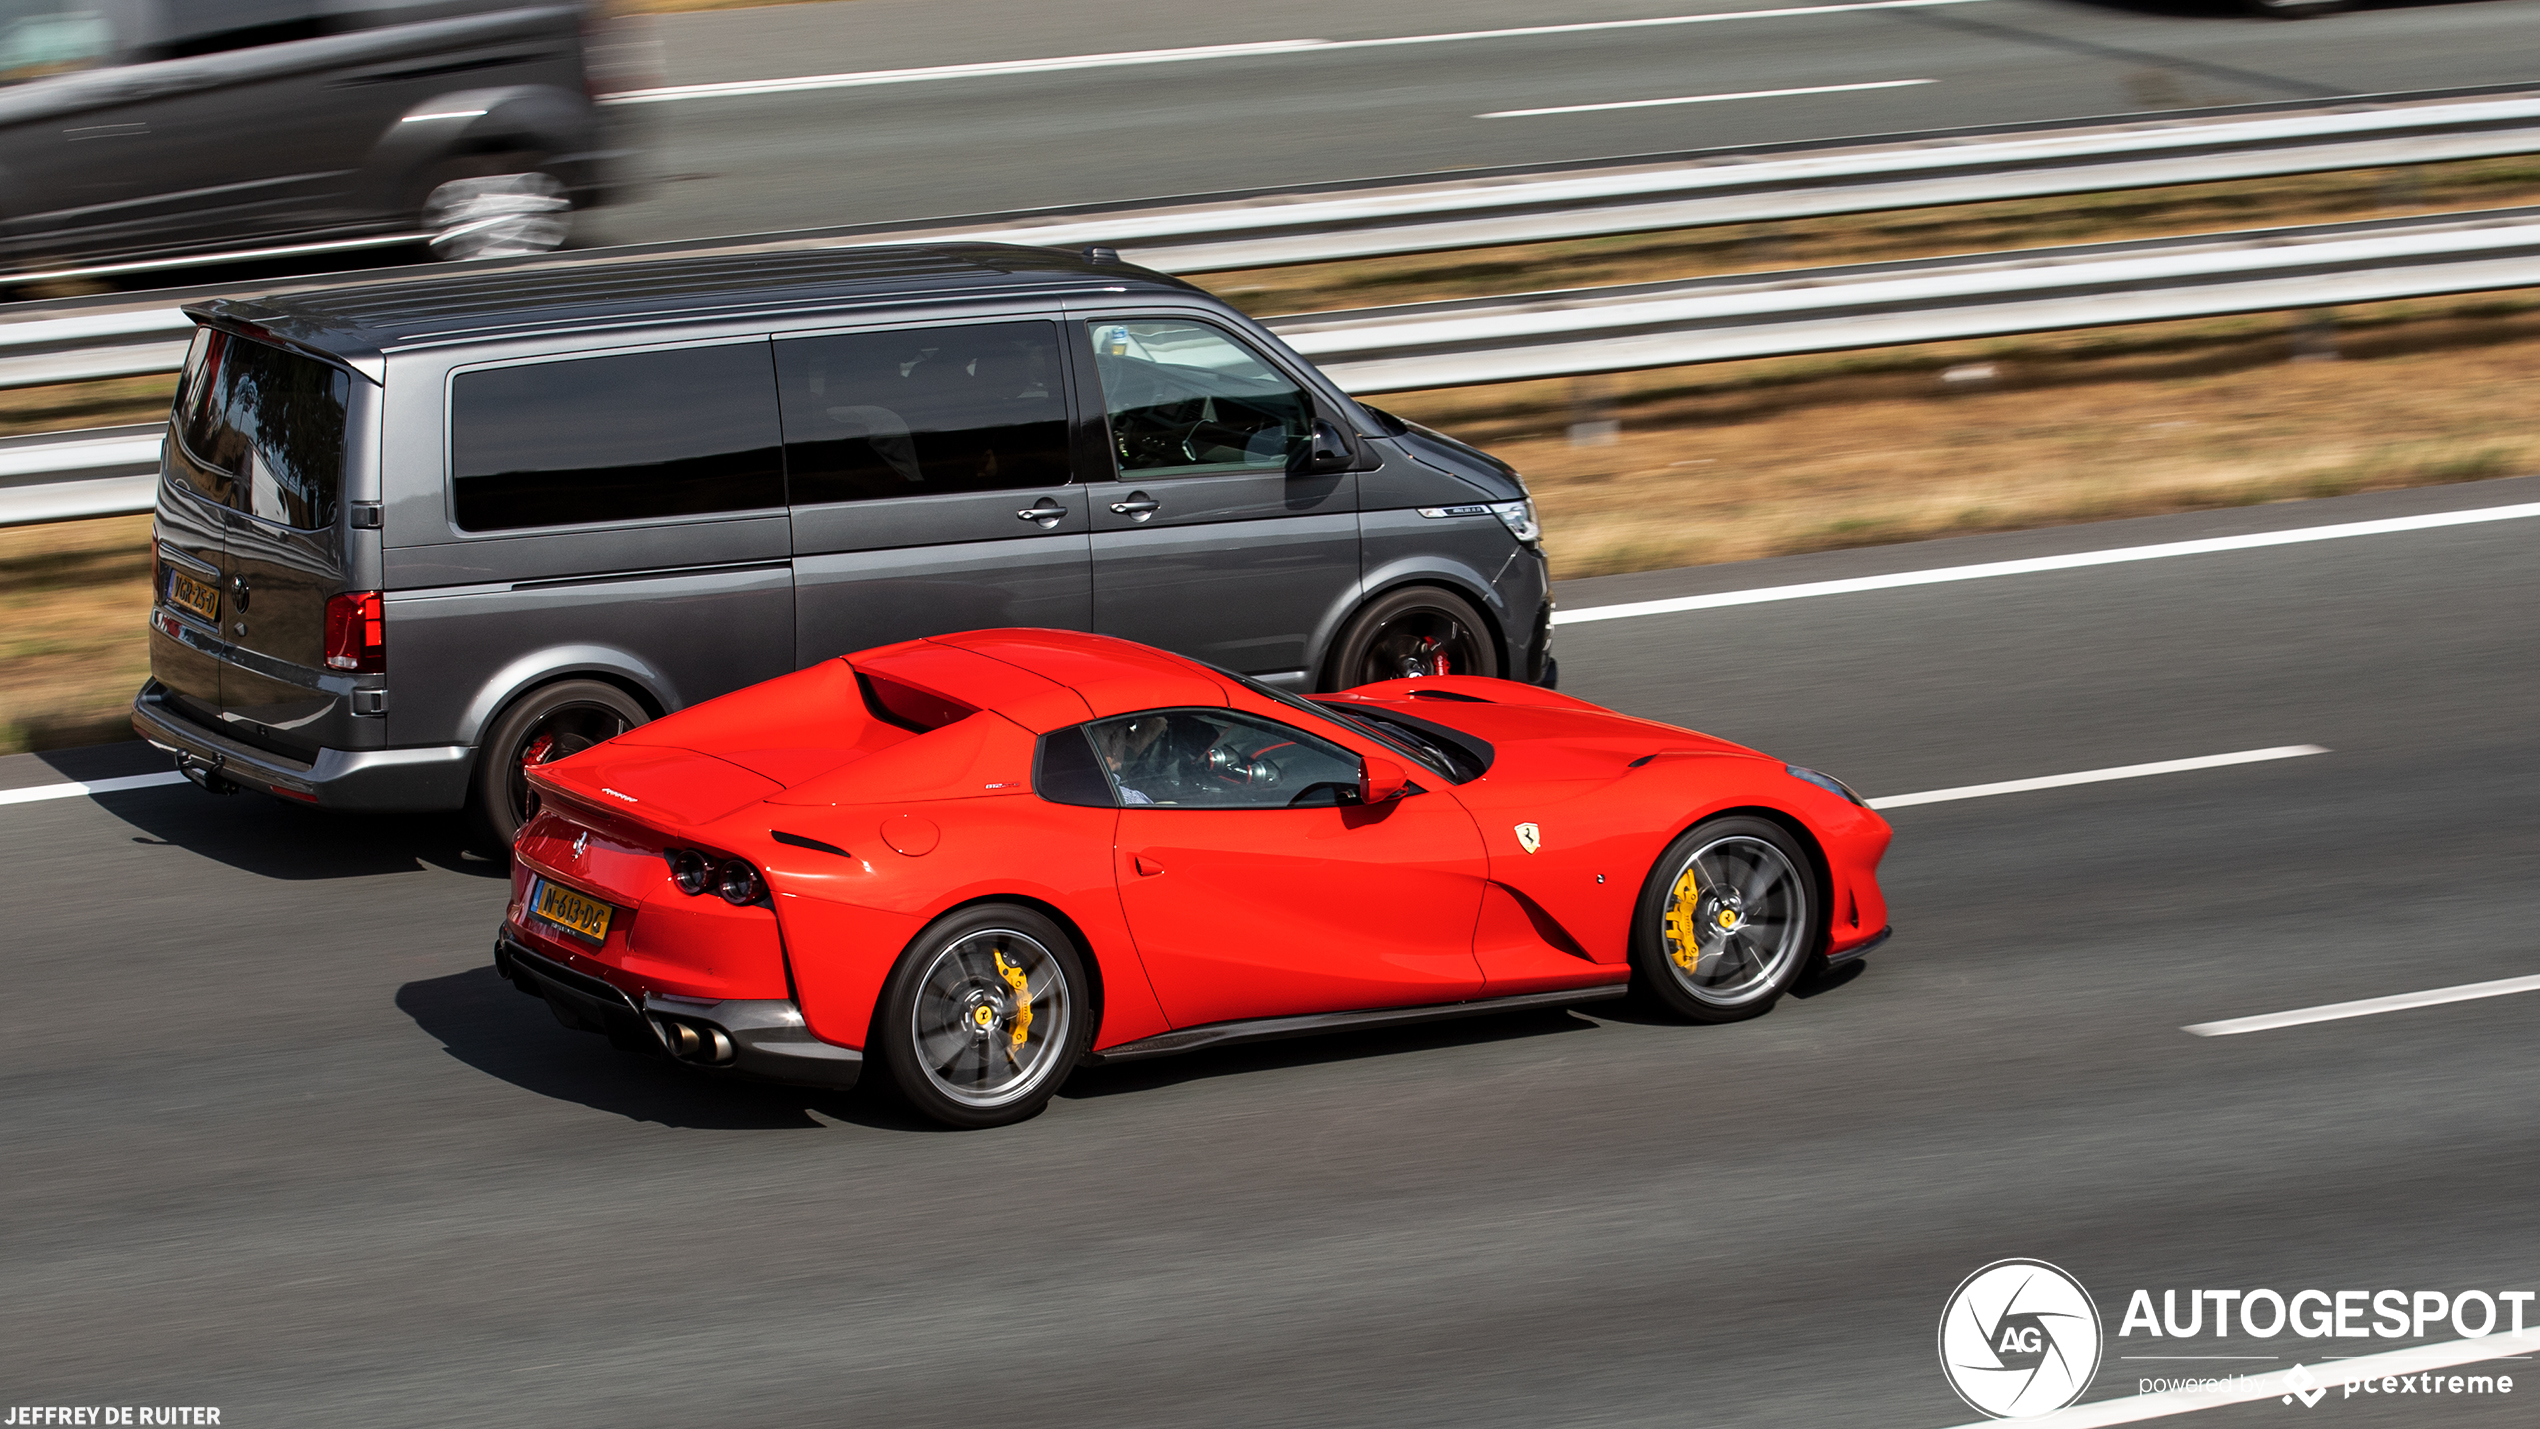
(2075, 561)
(2279, 1384)
(2096, 776)
(93, 786)
(2366, 1007)
(987, 69)
(1704, 98)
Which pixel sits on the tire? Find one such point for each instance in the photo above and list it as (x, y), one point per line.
(541, 727)
(493, 206)
(2292, 9)
(1749, 886)
(1415, 631)
(958, 1044)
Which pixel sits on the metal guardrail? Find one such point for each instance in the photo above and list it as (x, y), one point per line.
(1756, 186)
(103, 471)
(1707, 320)
(1464, 210)
(1453, 344)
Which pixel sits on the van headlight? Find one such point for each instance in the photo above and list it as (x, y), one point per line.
(1519, 518)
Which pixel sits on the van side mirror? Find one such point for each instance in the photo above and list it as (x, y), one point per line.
(1328, 450)
(1380, 779)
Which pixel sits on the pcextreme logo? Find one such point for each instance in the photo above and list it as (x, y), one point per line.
(2019, 1338)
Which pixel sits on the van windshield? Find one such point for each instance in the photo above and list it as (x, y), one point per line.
(261, 429)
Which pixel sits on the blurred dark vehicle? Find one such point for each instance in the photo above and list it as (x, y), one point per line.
(140, 134)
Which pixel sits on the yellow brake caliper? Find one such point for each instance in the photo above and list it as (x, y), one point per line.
(1022, 1004)
(1684, 944)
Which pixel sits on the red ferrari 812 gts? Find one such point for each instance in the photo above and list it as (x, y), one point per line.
(982, 860)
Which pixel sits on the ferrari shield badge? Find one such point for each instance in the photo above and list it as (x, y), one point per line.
(1529, 837)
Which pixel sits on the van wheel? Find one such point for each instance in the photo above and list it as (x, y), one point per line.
(1415, 632)
(542, 727)
(494, 206)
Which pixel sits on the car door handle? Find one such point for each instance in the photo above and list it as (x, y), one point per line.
(1147, 867)
(1138, 507)
(1044, 511)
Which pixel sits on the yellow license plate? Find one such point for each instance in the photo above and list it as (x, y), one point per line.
(571, 911)
(197, 598)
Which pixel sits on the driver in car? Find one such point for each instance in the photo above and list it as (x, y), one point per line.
(1139, 753)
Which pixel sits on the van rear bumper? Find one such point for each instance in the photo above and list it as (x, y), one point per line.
(362, 779)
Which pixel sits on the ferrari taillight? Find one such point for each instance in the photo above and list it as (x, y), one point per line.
(357, 632)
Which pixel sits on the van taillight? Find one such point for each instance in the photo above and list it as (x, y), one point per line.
(356, 633)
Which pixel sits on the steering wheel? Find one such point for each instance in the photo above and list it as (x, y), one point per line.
(1206, 435)
(1342, 793)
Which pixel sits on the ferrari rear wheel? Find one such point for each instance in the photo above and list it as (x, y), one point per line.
(1727, 922)
(984, 1016)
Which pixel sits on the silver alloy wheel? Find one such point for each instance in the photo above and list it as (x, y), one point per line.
(1735, 919)
(497, 216)
(991, 1016)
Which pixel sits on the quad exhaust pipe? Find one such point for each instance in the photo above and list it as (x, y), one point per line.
(694, 1041)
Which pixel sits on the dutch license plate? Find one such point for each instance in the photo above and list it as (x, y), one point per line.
(198, 598)
(588, 917)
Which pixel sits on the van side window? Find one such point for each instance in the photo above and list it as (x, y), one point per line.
(644, 434)
(923, 412)
(261, 429)
(1185, 399)
(48, 37)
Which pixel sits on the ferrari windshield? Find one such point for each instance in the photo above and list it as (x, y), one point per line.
(1455, 765)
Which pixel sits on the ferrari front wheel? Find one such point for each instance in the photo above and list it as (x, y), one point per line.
(984, 1016)
(1727, 922)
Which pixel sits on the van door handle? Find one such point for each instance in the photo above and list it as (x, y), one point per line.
(1138, 507)
(1045, 512)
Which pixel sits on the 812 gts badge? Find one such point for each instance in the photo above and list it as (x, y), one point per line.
(2019, 1338)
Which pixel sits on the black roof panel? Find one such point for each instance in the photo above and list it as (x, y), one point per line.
(368, 319)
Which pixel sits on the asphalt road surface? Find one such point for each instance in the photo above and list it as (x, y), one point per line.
(933, 144)
(278, 1140)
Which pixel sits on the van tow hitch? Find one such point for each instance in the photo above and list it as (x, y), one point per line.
(205, 772)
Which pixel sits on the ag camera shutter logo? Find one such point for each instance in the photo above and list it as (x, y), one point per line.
(2019, 1338)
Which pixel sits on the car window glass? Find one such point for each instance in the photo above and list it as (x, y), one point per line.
(1216, 759)
(923, 412)
(45, 37)
(1186, 399)
(1067, 771)
(262, 429)
(645, 434)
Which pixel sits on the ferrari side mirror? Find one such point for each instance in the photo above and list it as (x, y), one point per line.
(1380, 779)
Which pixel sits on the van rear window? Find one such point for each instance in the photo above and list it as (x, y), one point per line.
(261, 429)
(684, 432)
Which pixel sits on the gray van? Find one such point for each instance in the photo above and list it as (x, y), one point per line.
(414, 536)
(137, 134)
